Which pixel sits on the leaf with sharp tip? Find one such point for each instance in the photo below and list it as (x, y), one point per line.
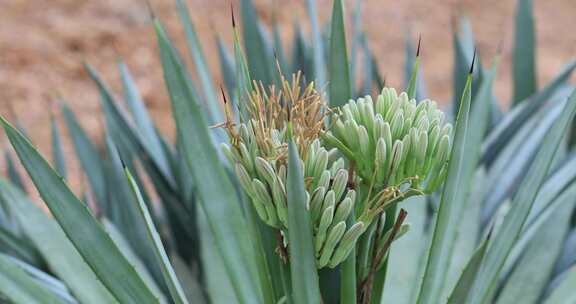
(88, 155)
(366, 88)
(302, 260)
(122, 130)
(301, 53)
(380, 82)
(13, 173)
(131, 256)
(243, 75)
(502, 243)
(410, 62)
(339, 86)
(356, 42)
(124, 211)
(20, 287)
(464, 46)
(83, 230)
(279, 50)
(451, 206)
(524, 56)
(462, 288)
(227, 67)
(195, 49)
(257, 51)
(217, 194)
(57, 153)
(156, 243)
(152, 141)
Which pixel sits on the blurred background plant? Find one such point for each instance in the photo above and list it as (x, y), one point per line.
(507, 204)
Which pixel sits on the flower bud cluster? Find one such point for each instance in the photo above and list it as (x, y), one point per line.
(371, 154)
(258, 154)
(393, 140)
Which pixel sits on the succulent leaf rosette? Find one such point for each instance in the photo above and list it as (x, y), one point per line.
(381, 146)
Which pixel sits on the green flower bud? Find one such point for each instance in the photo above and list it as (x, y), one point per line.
(280, 201)
(351, 194)
(265, 170)
(325, 222)
(347, 242)
(228, 153)
(263, 197)
(282, 174)
(324, 180)
(329, 200)
(378, 127)
(320, 164)
(367, 113)
(364, 141)
(397, 124)
(244, 178)
(246, 158)
(337, 166)
(334, 237)
(316, 201)
(380, 159)
(339, 183)
(343, 210)
(352, 135)
(380, 105)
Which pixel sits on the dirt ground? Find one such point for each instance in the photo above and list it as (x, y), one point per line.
(43, 44)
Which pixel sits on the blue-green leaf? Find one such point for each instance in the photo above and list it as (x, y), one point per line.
(531, 273)
(257, 51)
(217, 194)
(55, 247)
(83, 230)
(515, 119)
(88, 155)
(302, 260)
(317, 45)
(195, 49)
(20, 287)
(339, 86)
(524, 56)
(462, 288)
(156, 243)
(57, 152)
(451, 207)
(564, 293)
(511, 227)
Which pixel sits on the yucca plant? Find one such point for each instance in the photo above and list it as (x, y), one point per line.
(286, 193)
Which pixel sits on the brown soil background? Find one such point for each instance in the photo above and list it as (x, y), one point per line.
(43, 44)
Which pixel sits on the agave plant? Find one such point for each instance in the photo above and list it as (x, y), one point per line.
(287, 193)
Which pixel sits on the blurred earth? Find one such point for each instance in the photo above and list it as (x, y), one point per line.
(44, 43)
